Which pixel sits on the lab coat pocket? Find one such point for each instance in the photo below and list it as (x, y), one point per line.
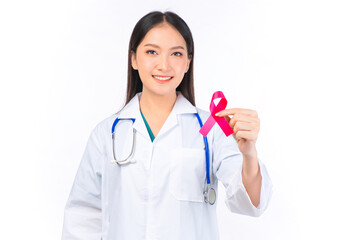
(187, 174)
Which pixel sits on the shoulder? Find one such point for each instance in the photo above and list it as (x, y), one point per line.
(103, 128)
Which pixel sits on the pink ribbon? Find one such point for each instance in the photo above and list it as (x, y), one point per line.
(224, 125)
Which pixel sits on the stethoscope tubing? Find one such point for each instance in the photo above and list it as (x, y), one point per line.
(127, 159)
(206, 151)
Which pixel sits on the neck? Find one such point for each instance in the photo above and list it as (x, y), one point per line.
(151, 104)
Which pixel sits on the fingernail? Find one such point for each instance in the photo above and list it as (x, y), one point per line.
(217, 114)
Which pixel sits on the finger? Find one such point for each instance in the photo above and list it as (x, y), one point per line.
(232, 111)
(239, 126)
(248, 135)
(244, 118)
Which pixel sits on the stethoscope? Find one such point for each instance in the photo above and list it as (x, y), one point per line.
(209, 192)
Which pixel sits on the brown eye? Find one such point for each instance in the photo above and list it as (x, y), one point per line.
(177, 54)
(151, 52)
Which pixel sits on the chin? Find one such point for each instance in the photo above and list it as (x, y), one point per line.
(162, 92)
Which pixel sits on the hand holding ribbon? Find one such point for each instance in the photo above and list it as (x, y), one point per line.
(244, 124)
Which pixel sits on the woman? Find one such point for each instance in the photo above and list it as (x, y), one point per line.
(148, 181)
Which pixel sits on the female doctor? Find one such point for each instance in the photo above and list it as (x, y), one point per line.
(147, 172)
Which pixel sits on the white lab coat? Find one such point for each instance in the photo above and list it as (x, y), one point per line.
(160, 195)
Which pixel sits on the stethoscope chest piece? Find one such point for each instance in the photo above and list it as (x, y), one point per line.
(210, 196)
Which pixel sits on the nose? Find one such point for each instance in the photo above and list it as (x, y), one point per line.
(163, 63)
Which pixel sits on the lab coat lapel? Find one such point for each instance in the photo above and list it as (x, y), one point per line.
(181, 106)
(132, 110)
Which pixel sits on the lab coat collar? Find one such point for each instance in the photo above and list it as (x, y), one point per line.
(132, 110)
(182, 105)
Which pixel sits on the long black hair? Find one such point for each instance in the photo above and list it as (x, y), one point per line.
(142, 27)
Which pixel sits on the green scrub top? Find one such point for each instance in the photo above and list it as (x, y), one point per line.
(148, 127)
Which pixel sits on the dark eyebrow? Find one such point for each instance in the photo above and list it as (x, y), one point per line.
(156, 46)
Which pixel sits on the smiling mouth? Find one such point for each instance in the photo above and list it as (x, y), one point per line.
(162, 78)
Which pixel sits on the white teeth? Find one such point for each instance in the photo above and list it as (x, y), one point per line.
(162, 78)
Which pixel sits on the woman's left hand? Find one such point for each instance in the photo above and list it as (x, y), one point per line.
(246, 126)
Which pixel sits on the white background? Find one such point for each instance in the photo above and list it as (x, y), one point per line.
(63, 69)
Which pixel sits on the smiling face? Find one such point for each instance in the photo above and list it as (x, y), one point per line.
(161, 60)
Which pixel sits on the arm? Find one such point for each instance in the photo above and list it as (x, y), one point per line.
(248, 186)
(82, 217)
(251, 178)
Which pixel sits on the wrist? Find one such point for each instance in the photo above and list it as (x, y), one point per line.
(250, 157)
(250, 166)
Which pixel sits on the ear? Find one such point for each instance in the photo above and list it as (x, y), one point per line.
(133, 61)
(188, 64)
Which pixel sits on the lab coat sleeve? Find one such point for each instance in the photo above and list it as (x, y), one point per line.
(82, 217)
(227, 167)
